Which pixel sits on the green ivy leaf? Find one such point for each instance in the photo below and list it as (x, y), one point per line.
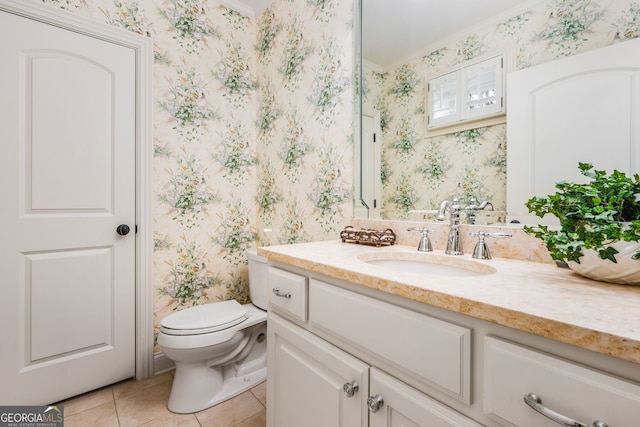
(591, 215)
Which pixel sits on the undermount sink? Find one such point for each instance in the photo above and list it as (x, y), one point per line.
(427, 263)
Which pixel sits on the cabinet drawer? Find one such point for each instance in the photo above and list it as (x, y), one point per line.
(513, 371)
(288, 293)
(434, 352)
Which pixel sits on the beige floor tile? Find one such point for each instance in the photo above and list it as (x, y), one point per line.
(129, 387)
(86, 401)
(102, 415)
(260, 392)
(174, 420)
(231, 412)
(258, 420)
(144, 403)
(144, 406)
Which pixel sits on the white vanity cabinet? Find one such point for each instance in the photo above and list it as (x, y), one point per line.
(343, 354)
(312, 382)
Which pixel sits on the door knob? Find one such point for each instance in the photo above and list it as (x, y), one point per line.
(123, 229)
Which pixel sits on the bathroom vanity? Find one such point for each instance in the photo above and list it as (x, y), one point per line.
(355, 343)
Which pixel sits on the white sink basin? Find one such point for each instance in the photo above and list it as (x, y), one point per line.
(427, 264)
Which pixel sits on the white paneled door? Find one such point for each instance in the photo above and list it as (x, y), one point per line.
(67, 182)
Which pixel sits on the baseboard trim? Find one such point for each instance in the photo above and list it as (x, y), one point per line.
(162, 364)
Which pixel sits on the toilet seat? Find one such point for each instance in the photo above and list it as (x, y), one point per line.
(204, 319)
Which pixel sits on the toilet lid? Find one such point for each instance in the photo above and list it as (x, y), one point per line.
(205, 318)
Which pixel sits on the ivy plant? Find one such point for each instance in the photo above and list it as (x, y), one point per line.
(591, 215)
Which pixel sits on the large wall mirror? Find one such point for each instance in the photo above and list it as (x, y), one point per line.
(407, 172)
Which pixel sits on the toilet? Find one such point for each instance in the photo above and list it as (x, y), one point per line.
(219, 349)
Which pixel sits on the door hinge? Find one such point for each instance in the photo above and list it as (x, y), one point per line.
(136, 229)
(374, 138)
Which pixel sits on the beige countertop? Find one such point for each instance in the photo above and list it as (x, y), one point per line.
(533, 297)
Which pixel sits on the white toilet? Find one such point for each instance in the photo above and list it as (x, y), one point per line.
(220, 349)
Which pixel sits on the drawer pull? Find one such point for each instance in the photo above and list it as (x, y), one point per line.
(350, 388)
(375, 403)
(534, 401)
(277, 293)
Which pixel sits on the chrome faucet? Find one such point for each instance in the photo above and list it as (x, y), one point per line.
(454, 243)
(473, 207)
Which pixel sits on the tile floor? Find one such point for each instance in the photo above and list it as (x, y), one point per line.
(144, 403)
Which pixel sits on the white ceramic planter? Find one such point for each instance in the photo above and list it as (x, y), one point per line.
(626, 271)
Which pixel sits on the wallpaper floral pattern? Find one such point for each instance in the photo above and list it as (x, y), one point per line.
(419, 172)
(252, 133)
(253, 124)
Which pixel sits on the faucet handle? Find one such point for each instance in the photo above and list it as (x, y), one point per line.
(481, 251)
(425, 242)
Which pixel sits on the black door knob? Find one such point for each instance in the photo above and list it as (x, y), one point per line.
(123, 229)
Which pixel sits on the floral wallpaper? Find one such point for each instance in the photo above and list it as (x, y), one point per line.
(419, 172)
(253, 133)
(253, 125)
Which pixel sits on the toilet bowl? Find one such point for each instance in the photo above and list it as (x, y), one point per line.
(219, 349)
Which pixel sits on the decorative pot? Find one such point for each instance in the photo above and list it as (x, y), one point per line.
(625, 272)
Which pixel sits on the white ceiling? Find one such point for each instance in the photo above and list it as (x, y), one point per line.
(397, 29)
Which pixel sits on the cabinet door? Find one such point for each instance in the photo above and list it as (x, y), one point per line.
(403, 406)
(306, 376)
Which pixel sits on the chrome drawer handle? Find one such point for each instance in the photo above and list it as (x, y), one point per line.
(277, 293)
(535, 402)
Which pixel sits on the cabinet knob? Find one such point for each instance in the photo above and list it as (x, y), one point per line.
(375, 403)
(534, 401)
(350, 388)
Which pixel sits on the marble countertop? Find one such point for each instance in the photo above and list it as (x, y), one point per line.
(533, 297)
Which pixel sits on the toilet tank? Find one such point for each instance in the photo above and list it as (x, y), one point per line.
(257, 278)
